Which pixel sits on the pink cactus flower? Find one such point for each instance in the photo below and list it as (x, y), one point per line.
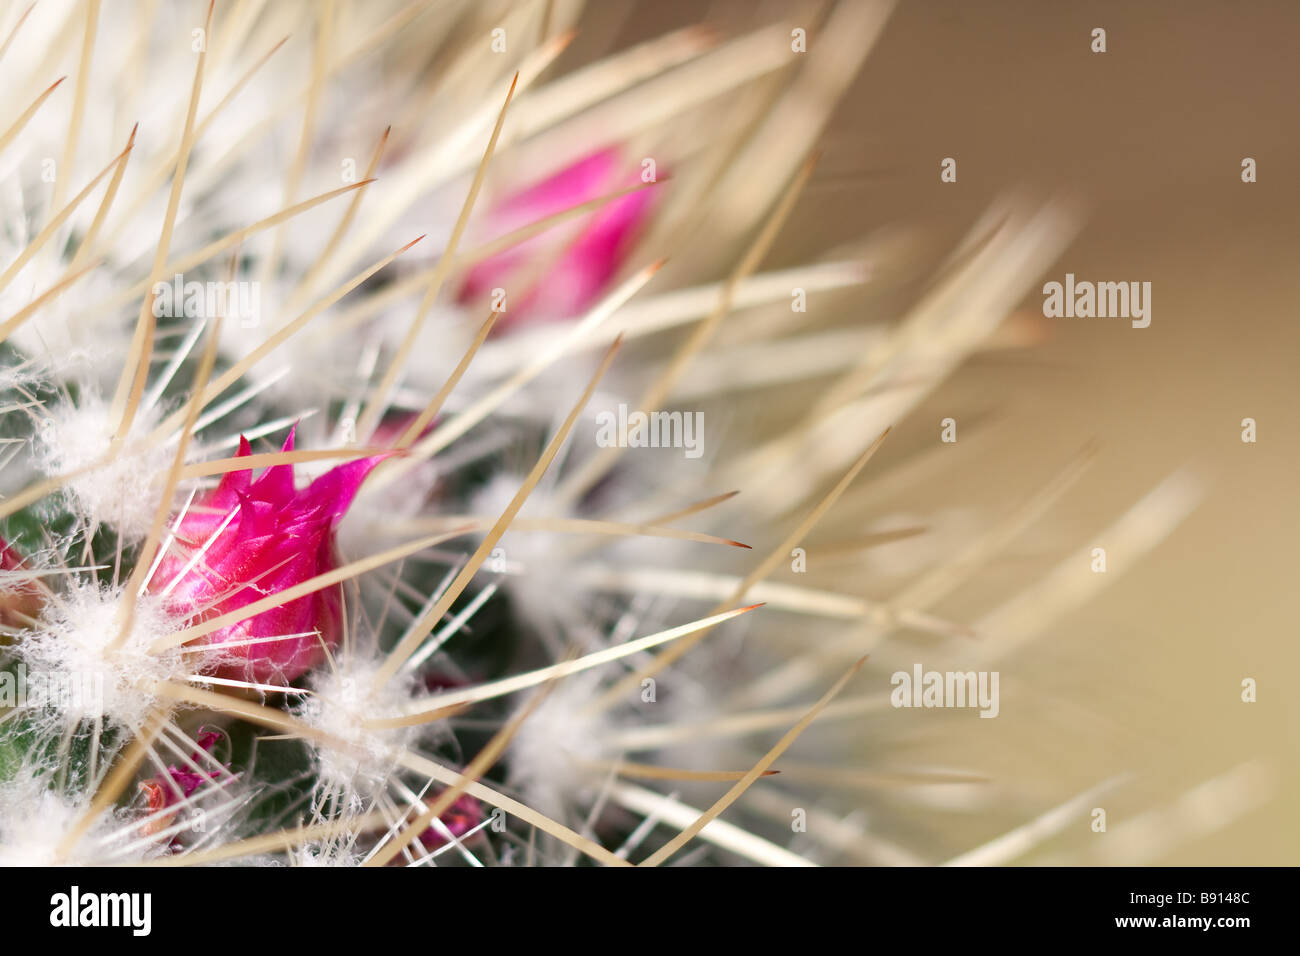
(462, 816)
(273, 538)
(581, 273)
(161, 793)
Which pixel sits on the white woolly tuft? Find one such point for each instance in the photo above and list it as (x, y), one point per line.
(72, 644)
(34, 819)
(123, 494)
(547, 755)
(342, 700)
(318, 856)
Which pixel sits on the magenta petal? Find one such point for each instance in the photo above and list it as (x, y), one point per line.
(280, 538)
(571, 186)
(276, 483)
(187, 779)
(582, 272)
(210, 511)
(161, 792)
(334, 491)
(463, 815)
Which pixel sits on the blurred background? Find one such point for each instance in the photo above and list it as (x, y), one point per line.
(1149, 137)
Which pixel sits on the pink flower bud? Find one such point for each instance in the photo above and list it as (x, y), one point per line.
(463, 815)
(573, 282)
(19, 599)
(262, 536)
(161, 792)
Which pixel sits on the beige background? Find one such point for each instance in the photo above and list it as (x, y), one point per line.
(1150, 135)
